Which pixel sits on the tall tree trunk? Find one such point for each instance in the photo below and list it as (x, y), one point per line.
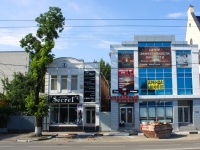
(38, 127)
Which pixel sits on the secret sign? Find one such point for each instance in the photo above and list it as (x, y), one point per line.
(64, 99)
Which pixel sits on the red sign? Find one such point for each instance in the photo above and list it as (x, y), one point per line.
(126, 72)
(124, 98)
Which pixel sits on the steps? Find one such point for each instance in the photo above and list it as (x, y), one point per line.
(128, 129)
(187, 128)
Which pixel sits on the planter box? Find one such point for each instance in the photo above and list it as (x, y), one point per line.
(156, 131)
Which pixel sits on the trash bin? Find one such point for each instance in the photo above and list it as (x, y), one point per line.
(156, 130)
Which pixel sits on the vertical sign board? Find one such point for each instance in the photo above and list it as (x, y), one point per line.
(89, 86)
(125, 72)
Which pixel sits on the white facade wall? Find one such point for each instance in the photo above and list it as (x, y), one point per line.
(74, 67)
(13, 61)
(193, 27)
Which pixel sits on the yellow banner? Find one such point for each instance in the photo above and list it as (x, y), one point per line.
(155, 84)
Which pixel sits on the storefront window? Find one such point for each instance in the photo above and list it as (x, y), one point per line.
(63, 114)
(156, 111)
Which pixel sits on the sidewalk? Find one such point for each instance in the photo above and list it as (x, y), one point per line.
(28, 137)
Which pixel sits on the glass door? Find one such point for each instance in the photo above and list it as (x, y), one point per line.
(126, 114)
(183, 114)
(90, 117)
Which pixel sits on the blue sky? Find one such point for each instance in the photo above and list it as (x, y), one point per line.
(92, 40)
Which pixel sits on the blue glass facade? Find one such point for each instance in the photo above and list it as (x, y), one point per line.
(184, 72)
(155, 74)
(159, 73)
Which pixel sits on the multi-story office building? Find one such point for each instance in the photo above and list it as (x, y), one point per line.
(75, 94)
(155, 78)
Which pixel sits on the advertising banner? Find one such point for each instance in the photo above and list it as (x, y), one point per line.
(183, 60)
(125, 85)
(89, 86)
(125, 59)
(155, 84)
(154, 57)
(80, 115)
(126, 72)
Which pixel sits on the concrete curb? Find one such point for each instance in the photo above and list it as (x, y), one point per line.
(106, 134)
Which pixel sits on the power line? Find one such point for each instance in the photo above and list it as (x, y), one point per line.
(109, 19)
(97, 26)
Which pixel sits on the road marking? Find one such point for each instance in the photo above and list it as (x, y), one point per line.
(102, 138)
(47, 146)
(161, 145)
(79, 139)
(6, 146)
(105, 146)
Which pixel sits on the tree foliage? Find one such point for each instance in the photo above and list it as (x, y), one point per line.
(18, 89)
(50, 24)
(39, 110)
(105, 69)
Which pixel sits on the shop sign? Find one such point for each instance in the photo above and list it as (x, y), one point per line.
(124, 98)
(155, 84)
(117, 91)
(64, 98)
(89, 86)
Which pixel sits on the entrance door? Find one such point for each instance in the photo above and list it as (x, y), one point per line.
(183, 114)
(90, 117)
(126, 114)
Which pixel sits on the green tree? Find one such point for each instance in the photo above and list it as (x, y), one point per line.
(18, 89)
(50, 24)
(105, 69)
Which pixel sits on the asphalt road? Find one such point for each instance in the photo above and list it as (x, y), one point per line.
(105, 143)
(153, 145)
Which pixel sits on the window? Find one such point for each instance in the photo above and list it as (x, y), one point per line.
(184, 81)
(164, 74)
(53, 82)
(74, 82)
(64, 82)
(148, 44)
(63, 114)
(156, 111)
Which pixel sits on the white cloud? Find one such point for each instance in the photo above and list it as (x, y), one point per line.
(176, 15)
(12, 37)
(74, 6)
(105, 44)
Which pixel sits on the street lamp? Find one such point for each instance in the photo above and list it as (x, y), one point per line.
(3, 74)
